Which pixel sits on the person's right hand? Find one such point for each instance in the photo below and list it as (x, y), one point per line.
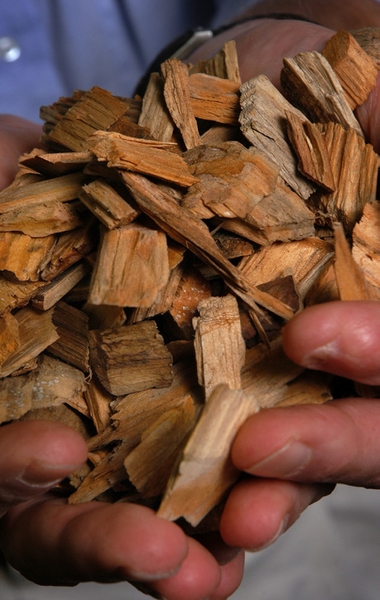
(338, 442)
(287, 452)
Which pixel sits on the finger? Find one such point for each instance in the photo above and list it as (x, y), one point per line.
(231, 575)
(34, 456)
(194, 582)
(90, 542)
(338, 337)
(201, 577)
(336, 442)
(258, 511)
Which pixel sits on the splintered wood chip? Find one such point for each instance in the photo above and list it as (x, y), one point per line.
(130, 359)
(152, 249)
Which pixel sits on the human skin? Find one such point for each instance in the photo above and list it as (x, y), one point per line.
(53, 543)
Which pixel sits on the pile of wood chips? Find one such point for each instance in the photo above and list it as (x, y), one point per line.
(151, 252)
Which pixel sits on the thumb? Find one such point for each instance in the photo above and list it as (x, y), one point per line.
(338, 337)
(35, 456)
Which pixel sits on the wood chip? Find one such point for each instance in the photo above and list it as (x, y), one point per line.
(178, 101)
(152, 251)
(355, 69)
(132, 267)
(310, 81)
(130, 359)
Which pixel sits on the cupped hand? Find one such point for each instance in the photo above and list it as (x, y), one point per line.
(294, 456)
(289, 449)
(53, 543)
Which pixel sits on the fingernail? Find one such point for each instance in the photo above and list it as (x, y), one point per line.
(283, 527)
(288, 461)
(41, 474)
(144, 576)
(319, 357)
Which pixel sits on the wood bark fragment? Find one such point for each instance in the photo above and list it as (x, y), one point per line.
(70, 248)
(154, 113)
(96, 110)
(219, 344)
(43, 219)
(310, 82)
(104, 201)
(279, 217)
(72, 327)
(349, 278)
(263, 123)
(149, 464)
(231, 178)
(131, 268)
(178, 101)
(14, 294)
(55, 164)
(214, 99)
(25, 256)
(141, 156)
(130, 359)
(304, 260)
(58, 189)
(223, 64)
(310, 146)
(51, 293)
(354, 166)
(355, 69)
(99, 404)
(206, 471)
(29, 321)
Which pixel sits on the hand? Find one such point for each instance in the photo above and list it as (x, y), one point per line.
(310, 444)
(336, 442)
(53, 543)
(17, 136)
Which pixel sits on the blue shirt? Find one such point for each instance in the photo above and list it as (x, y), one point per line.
(65, 45)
